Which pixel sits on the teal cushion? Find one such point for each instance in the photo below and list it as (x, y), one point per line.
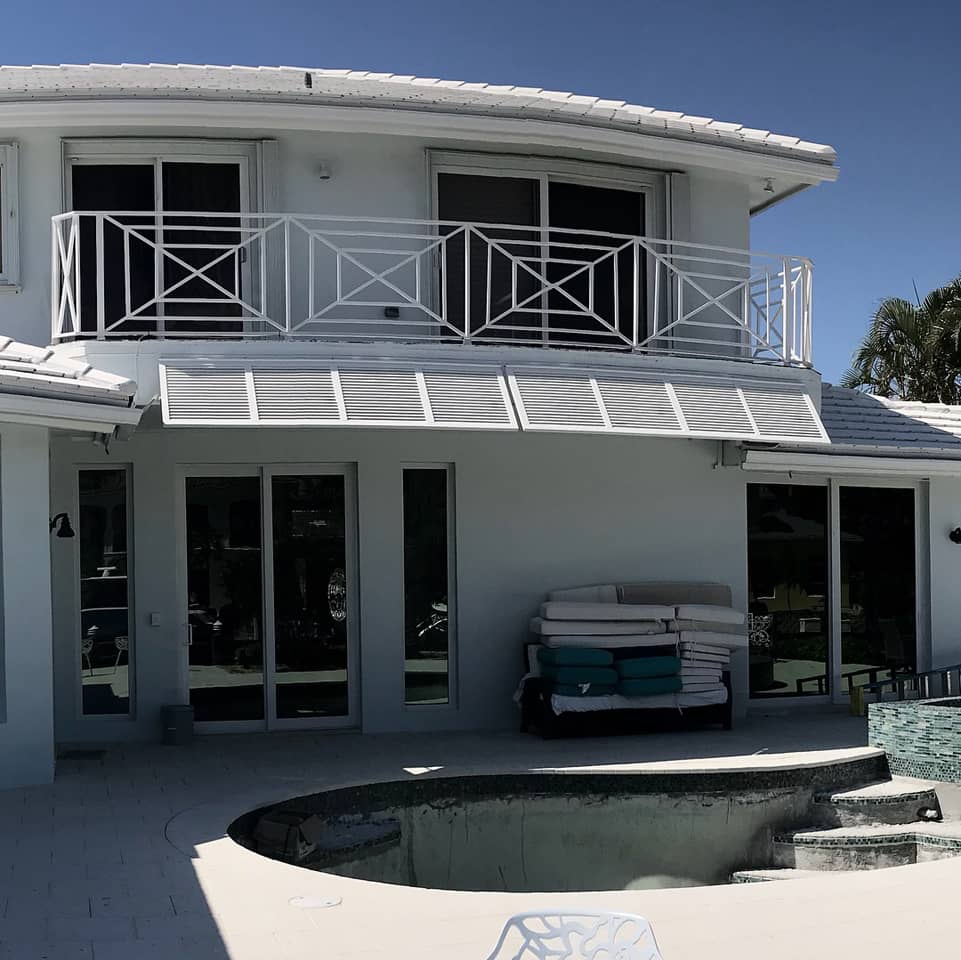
(648, 667)
(574, 657)
(576, 675)
(648, 686)
(584, 689)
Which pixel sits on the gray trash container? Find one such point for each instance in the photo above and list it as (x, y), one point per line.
(177, 722)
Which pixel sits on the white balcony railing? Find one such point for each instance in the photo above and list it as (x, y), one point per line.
(150, 274)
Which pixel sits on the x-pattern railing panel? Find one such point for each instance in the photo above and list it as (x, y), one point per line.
(285, 275)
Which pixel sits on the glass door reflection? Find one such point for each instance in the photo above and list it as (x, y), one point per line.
(224, 598)
(310, 602)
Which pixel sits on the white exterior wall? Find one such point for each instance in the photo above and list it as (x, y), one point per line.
(26, 668)
(532, 513)
(371, 175)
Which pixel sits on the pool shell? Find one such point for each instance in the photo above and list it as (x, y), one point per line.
(527, 832)
(922, 738)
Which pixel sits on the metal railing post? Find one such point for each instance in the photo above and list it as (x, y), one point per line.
(467, 316)
(787, 311)
(101, 280)
(287, 304)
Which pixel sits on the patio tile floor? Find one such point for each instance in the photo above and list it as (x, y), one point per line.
(124, 856)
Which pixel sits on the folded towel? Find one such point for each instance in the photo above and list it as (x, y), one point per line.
(584, 689)
(638, 667)
(648, 686)
(578, 675)
(574, 657)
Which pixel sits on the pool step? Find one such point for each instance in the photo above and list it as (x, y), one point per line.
(894, 801)
(870, 847)
(766, 874)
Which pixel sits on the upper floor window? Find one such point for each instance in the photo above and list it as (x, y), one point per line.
(9, 252)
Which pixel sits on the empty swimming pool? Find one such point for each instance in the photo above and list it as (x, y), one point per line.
(546, 831)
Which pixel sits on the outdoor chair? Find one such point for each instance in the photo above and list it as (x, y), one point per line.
(555, 935)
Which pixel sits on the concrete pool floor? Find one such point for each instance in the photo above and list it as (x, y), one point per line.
(125, 857)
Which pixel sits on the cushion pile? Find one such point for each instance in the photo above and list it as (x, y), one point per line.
(593, 645)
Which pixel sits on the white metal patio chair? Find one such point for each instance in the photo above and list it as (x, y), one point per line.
(556, 935)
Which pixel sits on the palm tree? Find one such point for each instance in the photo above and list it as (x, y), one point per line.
(912, 351)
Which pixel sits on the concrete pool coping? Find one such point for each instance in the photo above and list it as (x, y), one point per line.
(126, 856)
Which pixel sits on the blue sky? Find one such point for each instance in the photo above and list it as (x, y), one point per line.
(878, 80)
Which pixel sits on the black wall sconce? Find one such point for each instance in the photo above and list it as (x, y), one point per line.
(61, 522)
(955, 535)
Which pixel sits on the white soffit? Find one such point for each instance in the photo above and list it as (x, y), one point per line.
(608, 401)
(356, 393)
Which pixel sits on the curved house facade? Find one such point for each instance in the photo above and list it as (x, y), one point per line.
(334, 375)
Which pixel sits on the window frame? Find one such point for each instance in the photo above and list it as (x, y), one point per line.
(9, 216)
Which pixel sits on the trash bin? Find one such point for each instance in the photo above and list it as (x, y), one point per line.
(177, 724)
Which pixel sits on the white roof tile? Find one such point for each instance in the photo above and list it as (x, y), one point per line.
(861, 422)
(40, 371)
(288, 84)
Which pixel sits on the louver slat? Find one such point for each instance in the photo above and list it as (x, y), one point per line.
(557, 403)
(783, 416)
(205, 396)
(639, 406)
(469, 399)
(600, 401)
(714, 410)
(285, 394)
(374, 396)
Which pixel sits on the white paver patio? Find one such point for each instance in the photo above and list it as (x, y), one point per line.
(125, 857)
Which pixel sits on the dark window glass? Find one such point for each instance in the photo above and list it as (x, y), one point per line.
(105, 641)
(787, 584)
(224, 585)
(877, 583)
(311, 606)
(426, 570)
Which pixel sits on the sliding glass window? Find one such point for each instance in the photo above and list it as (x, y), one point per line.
(105, 642)
(427, 581)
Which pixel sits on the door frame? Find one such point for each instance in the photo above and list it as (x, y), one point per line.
(838, 694)
(347, 472)
(265, 473)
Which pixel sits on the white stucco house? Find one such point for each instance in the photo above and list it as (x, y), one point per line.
(333, 375)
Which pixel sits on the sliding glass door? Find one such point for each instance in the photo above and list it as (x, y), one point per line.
(832, 582)
(269, 596)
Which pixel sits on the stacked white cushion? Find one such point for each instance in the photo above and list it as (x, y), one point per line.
(722, 641)
(598, 628)
(605, 593)
(607, 641)
(637, 612)
(708, 612)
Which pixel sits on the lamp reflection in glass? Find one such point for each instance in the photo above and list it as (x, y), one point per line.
(61, 522)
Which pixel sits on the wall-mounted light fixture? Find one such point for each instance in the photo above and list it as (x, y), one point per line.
(323, 171)
(61, 523)
(768, 185)
(955, 535)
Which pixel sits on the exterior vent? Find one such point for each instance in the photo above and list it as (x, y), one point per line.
(605, 401)
(306, 393)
